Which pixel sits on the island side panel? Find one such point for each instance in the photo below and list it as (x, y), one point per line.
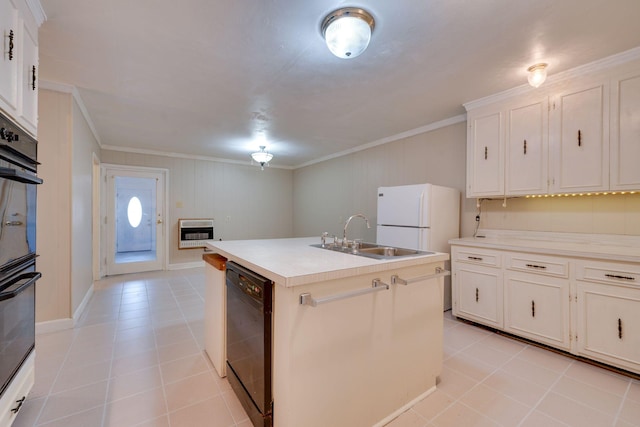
(358, 361)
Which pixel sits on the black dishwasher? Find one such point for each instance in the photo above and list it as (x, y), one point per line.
(249, 342)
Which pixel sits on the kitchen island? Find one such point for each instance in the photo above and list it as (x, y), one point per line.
(357, 361)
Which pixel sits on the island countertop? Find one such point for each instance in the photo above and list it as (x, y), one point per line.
(293, 262)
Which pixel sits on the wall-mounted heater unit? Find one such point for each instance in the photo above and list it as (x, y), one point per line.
(194, 233)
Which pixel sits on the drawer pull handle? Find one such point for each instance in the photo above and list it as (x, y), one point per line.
(477, 294)
(11, 45)
(19, 402)
(620, 328)
(525, 147)
(533, 308)
(579, 138)
(486, 152)
(474, 258)
(540, 267)
(33, 78)
(616, 276)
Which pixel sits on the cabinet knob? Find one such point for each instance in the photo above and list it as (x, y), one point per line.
(533, 308)
(525, 147)
(486, 152)
(33, 78)
(477, 294)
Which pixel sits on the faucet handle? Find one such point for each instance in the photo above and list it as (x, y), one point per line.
(323, 238)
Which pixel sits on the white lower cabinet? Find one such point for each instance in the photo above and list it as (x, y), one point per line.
(537, 307)
(589, 307)
(608, 306)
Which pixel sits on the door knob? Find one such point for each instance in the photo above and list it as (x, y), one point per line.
(159, 221)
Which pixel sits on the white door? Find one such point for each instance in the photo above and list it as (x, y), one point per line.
(134, 220)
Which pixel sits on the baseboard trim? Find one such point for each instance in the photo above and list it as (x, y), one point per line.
(83, 305)
(54, 326)
(186, 265)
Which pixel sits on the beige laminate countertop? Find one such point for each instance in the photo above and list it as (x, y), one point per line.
(625, 249)
(294, 262)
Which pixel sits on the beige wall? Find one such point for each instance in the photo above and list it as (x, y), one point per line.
(327, 193)
(244, 201)
(84, 145)
(610, 214)
(53, 292)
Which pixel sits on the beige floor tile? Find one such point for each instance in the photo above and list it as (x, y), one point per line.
(408, 419)
(136, 409)
(134, 362)
(182, 368)
(190, 390)
(623, 423)
(458, 415)
(73, 377)
(91, 417)
(72, 401)
(434, 404)
(517, 388)
(158, 422)
(454, 383)
(572, 412)
(634, 391)
(463, 336)
(469, 366)
(208, 413)
(594, 397)
(598, 377)
(630, 412)
(178, 350)
(538, 419)
(497, 406)
(488, 354)
(545, 358)
(504, 344)
(235, 407)
(531, 372)
(133, 383)
(172, 334)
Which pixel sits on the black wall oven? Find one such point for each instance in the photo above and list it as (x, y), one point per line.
(18, 275)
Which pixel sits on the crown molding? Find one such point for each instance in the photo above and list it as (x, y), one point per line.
(37, 11)
(413, 132)
(73, 91)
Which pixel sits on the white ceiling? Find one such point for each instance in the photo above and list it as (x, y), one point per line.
(206, 77)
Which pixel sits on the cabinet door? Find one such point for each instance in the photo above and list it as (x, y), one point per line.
(29, 87)
(579, 140)
(485, 154)
(609, 324)
(527, 149)
(537, 307)
(477, 294)
(625, 132)
(10, 57)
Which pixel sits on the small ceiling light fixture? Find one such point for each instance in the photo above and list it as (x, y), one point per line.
(537, 74)
(262, 157)
(347, 31)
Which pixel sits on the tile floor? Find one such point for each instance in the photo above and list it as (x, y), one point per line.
(135, 359)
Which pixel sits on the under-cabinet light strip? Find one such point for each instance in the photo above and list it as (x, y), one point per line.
(603, 193)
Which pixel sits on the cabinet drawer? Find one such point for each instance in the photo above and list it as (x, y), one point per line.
(476, 256)
(606, 272)
(538, 264)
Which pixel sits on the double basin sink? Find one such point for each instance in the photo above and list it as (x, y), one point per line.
(372, 250)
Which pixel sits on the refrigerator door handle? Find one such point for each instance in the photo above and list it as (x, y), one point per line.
(421, 210)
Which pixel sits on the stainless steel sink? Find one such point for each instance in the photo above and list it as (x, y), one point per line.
(372, 250)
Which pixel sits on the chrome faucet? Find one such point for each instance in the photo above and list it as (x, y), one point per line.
(345, 242)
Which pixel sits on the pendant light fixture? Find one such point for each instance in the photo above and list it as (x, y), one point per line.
(537, 74)
(262, 157)
(347, 31)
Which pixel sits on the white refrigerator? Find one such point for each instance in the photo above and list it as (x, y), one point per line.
(420, 216)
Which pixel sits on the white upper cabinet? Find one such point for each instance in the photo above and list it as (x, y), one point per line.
(527, 146)
(19, 63)
(579, 140)
(29, 86)
(9, 61)
(625, 131)
(485, 154)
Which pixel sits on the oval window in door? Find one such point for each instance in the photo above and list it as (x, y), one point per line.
(134, 212)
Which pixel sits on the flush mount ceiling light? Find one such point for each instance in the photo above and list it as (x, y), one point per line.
(262, 157)
(347, 31)
(537, 74)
